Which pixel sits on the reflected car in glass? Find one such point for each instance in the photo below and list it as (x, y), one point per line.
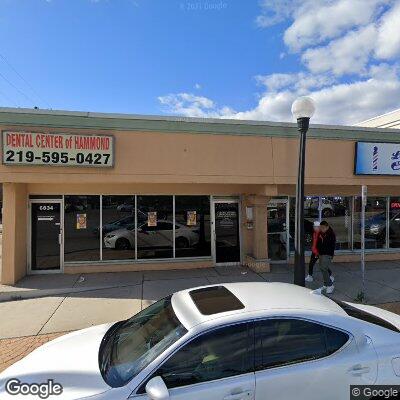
(157, 236)
(228, 341)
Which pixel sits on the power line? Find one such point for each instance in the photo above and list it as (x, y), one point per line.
(8, 98)
(26, 82)
(17, 89)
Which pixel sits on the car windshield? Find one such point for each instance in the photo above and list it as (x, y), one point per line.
(131, 345)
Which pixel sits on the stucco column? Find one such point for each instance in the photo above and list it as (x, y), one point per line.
(257, 255)
(14, 258)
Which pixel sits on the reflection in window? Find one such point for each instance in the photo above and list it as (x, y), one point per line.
(394, 222)
(375, 223)
(215, 355)
(118, 227)
(335, 210)
(338, 214)
(192, 234)
(310, 215)
(155, 227)
(81, 224)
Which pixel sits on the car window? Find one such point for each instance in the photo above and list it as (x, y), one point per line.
(129, 346)
(365, 316)
(165, 226)
(287, 341)
(218, 354)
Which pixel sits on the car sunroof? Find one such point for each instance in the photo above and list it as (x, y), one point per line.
(215, 299)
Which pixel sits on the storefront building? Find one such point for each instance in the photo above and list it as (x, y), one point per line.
(85, 192)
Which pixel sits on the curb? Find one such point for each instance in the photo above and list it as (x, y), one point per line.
(36, 294)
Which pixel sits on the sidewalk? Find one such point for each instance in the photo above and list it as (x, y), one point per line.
(45, 306)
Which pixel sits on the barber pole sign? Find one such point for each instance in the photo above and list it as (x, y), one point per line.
(36, 148)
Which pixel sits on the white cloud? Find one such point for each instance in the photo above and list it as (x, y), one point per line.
(388, 41)
(318, 20)
(190, 105)
(197, 86)
(341, 103)
(347, 55)
(341, 45)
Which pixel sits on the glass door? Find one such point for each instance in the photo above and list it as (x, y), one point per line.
(226, 232)
(46, 236)
(278, 233)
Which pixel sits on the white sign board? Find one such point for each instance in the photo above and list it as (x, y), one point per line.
(377, 158)
(35, 148)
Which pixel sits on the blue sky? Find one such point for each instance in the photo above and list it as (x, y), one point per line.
(233, 58)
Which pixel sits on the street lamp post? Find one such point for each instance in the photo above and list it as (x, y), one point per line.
(302, 109)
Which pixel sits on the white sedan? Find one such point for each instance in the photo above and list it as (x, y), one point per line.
(236, 341)
(150, 237)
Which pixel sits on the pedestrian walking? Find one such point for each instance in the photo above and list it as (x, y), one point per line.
(315, 255)
(326, 244)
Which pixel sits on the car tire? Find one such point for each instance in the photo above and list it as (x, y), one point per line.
(122, 244)
(327, 213)
(181, 243)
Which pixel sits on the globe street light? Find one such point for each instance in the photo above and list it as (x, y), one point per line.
(302, 109)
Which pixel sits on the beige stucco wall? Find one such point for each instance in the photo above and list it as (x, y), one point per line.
(14, 259)
(252, 167)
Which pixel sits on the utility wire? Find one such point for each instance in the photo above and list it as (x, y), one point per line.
(26, 82)
(18, 90)
(8, 98)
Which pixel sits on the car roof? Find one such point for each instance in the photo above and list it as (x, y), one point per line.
(255, 296)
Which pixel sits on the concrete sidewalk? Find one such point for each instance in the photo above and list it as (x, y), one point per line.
(47, 304)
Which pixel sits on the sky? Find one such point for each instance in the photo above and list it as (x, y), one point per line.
(240, 59)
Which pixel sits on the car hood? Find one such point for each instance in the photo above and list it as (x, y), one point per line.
(118, 232)
(70, 360)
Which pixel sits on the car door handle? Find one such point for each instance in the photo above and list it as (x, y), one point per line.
(358, 370)
(239, 396)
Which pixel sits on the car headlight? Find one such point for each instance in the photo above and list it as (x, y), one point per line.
(374, 229)
(109, 236)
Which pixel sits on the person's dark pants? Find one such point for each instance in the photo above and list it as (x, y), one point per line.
(313, 261)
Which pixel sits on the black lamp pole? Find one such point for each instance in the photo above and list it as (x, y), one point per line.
(299, 262)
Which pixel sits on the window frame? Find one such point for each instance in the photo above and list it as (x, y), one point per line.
(258, 368)
(140, 389)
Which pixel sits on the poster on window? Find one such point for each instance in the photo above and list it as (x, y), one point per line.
(81, 221)
(191, 219)
(152, 218)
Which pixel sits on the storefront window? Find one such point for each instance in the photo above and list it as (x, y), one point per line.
(192, 231)
(118, 227)
(394, 222)
(310, 215)
(337, 212)
(375, 223)
(155, 227)
(81, 221)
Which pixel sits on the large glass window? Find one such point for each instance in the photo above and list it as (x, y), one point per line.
(310, 215)
(219, 354)
(375, 223)
(394, 222)
(155, 227)
(192, 232)
(118, 227)
(81, 225)
(337, 212)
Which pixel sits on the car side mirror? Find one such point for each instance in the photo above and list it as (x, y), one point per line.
(156, 389)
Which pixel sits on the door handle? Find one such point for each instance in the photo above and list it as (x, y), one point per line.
(359, 370)
(59, 239)
(239, 396)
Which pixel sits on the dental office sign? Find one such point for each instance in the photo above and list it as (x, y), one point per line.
(377, 158)
(35, 148)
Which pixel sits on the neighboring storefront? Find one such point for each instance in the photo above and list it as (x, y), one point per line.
(90, 192)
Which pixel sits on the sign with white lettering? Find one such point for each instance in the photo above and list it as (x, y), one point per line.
(34, 148)
(377, 158)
